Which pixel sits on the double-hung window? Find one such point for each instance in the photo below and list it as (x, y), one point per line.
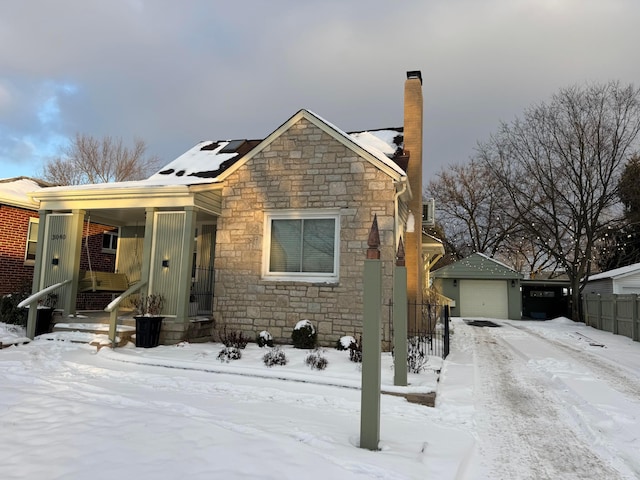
(302, 246)
(110, 241)
(32, 241)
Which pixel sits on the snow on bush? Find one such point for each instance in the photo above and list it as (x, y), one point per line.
(304, 335)
(354, 346)
(316, 360)
(264, 338)
(229, 353)
(274, 356)
(345, 342)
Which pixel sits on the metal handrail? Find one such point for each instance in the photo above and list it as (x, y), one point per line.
(42, 293)
(112, 308)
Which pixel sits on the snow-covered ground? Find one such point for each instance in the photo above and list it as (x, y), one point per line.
(524, 400)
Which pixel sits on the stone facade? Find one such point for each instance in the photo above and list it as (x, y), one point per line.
(303, 168)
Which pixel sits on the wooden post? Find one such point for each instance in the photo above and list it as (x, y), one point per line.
(400, 319)
(371, 340)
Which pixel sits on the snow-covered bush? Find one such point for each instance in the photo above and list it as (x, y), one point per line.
(304, 335)
(316, 360)
(345, 342)
(274, 356)
(264, 338)
(229, 353)
(354, 346)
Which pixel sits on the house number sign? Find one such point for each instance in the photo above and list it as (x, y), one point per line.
(58, 236)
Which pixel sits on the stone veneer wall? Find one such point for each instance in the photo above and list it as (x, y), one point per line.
(304, 168)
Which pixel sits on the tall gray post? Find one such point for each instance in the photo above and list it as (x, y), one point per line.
(371, 341)
(400, 319)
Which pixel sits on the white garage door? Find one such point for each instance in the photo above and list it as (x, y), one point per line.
(484, 298)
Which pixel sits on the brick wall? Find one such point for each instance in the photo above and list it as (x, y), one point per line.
(302, 169)
(15, 276)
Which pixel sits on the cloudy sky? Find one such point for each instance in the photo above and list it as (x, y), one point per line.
(174, 73)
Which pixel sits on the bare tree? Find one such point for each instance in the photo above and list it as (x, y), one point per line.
(91, 160)
(620, 245)
(470, 205)
(560, 165)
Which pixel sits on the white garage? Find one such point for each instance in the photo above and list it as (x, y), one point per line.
(484, 298)
(480, 287)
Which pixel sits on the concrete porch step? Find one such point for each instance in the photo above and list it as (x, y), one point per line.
(124, 333)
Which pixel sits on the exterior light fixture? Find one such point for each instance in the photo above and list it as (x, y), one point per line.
(165, 263)
(455, 282)
(55, 261)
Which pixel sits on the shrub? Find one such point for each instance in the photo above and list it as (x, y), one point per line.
(264, 338)
(304, 335)
(229, 353)
(417, 358)
(316, 360)
(354, 346)
(355, 351)
(9, 311)
(233, 339)
(345, 342)
(275, 356)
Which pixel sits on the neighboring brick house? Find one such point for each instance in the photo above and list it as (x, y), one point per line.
(19, 225)
(283, 222)
(18, 233)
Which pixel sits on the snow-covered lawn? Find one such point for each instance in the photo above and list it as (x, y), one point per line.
(525, 400)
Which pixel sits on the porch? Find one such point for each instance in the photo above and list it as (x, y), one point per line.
(165, 247)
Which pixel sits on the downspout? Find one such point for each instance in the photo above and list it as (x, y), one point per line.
(396, 220)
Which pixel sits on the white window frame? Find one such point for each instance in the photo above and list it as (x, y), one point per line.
(32, 221)
(311, 277)
(111, 234)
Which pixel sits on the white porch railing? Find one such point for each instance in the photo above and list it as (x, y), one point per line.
(33, 300)
(113, 307)
(42, 293)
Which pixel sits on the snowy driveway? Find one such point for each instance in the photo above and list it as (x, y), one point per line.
(549, 400)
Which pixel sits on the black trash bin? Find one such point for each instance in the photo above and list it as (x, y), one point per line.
(148, 331)
(43, 320)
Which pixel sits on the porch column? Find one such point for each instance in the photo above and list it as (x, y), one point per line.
(188, 246)
(37, 271)
(76, 228)
(145, 268)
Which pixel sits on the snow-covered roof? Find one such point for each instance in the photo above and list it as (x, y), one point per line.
(616, 272)
(206, 161)
(14, 191)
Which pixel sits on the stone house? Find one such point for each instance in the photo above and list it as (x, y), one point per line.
(257, 234)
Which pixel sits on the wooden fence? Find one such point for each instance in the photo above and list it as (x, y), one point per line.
(613, 313)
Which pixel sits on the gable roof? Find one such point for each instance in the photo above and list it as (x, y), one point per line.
(210, 162)
(366, 146)
(616, 272)
(477, 265)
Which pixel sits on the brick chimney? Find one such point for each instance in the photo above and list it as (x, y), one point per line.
(413, 147)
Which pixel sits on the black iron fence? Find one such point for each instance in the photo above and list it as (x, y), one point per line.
(201, 298)
(427, 327)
